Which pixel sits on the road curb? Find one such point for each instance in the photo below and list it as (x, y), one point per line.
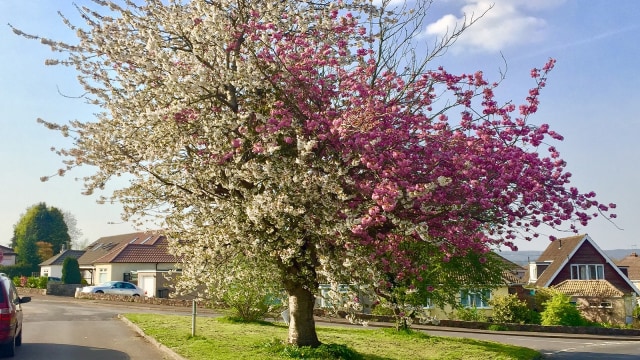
(172, 354)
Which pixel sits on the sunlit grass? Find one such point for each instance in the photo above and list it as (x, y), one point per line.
(225, 339)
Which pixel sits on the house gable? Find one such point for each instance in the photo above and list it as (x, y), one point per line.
(563, 254)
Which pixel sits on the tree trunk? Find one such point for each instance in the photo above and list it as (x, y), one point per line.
(302, 327)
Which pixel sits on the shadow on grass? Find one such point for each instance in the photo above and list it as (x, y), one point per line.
(239, 320)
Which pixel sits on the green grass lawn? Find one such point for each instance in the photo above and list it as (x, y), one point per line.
(219, 339)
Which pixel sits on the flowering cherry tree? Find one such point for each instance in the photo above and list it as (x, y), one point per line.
(293, 133)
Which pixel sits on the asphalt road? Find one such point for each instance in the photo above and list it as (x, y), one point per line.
(66, 328)
(559, 346)
(57, 330)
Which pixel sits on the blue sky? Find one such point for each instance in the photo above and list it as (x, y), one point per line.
(591, 99)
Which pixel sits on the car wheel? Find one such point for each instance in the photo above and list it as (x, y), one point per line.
(19, 339)
(138, 295)
(9, 350)
(99, 292)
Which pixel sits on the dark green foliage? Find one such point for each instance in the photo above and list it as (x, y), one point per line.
(559, 311)
(71, 271)
(324, 351)
(510, 309)
(39, 223)
(13, 271)
(636, 312)
(239, 320)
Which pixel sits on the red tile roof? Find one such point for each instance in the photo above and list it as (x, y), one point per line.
(152, 252)
(140, 247)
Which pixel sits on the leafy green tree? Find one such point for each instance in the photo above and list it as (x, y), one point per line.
(440, 283)
(45, 250)
(71, 271)
(39, 224)
(560, 311)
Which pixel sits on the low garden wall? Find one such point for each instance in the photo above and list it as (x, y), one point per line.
(591, 330)
(25, 291)
(143, 300)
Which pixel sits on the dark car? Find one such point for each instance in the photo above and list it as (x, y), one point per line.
(10, 317)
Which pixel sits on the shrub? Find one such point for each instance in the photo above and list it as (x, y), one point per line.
(510, 309)
(248, 301)
(252, 292)
(559, 311)
(33, 282)
(470, 314)
(71, 271)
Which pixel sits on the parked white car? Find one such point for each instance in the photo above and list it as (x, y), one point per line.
(115, 287)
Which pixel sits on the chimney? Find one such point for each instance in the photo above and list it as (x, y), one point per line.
(63, 248)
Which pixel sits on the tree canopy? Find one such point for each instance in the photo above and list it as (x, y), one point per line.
(40, 224)
(310, 136)
(71, 271)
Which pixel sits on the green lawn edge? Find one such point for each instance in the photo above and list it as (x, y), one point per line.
(219, 339)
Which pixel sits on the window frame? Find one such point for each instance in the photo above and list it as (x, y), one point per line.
(478, 298)
(587, 272)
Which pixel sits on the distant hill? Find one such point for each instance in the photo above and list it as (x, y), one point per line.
(524, 257)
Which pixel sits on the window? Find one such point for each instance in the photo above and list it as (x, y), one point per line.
(600, 304)
(102, 275)
(587, 271)
(475, 298)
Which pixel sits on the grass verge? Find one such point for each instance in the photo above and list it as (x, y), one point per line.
(221, 338)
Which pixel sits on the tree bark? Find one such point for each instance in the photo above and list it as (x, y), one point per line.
(302, 327)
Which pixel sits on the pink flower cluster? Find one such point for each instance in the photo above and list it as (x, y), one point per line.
(465, 178)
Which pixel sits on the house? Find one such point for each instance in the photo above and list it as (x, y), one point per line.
(473, 295)
(7, 256)
(52, 267)
(630, 265)
(144, 261)
(577, 267)
(142, 258)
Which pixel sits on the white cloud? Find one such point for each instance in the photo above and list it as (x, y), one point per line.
(505, 23)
